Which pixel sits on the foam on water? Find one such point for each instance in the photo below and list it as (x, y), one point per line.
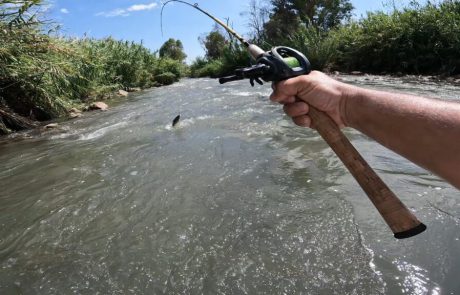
(185, 123)
(102, 131)
(297, 159)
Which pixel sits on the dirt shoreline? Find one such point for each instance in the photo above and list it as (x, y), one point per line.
(23, 123)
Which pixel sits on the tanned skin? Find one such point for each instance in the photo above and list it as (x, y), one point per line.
(423, 130)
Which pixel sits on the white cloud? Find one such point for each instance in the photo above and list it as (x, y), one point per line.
(113, 13)
(64, 10)
(140, 7)
(126, 11)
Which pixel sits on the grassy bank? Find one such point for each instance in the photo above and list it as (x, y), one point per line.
(42, 77)
(415, 40)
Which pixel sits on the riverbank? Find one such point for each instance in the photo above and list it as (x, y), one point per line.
(26, 123)
(42, 80)
(43, 75)
(450, 83)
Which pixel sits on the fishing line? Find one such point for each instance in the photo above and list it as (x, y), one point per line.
(226, 27)
(195, 5)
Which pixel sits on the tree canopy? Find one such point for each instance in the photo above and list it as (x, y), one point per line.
(173, 49)
(214, 44)
(287, 16)
(324, 14)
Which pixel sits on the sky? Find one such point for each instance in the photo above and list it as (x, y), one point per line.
(139, 20)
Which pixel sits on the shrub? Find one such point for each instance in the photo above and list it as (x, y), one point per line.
(418, 39)
(165, 65)
(315, 45)
(36, 72)
(167, 78)
(212, 68)
(233, 56)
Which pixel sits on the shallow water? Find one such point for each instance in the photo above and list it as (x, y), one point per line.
(233, 200)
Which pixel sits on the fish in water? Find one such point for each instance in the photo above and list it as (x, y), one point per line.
(176, 120)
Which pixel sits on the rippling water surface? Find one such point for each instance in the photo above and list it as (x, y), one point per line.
(234, 200)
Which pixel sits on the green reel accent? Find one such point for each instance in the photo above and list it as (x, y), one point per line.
(292, 62)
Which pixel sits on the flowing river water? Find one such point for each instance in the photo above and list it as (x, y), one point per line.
(234, 200)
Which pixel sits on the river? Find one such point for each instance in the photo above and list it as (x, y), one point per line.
(234, 200)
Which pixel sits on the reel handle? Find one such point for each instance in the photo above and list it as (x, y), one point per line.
(401, 221)
(223, 80)
(282, 63)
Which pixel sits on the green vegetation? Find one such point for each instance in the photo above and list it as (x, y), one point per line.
(173, 49)
(42, 77)
(416, 40)
(419, 39)
(222, 56)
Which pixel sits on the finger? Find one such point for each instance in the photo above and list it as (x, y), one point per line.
(304, 121)
(280, 97)
(288, 100)
(284, 99)
(296, 109)
(287, 88)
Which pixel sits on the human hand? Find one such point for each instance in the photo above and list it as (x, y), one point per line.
(315, 89)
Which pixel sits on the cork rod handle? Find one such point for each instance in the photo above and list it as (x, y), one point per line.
(400, 220)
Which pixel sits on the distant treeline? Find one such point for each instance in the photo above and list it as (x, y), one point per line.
(42, 77)
(418, 39)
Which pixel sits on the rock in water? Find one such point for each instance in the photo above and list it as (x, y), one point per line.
(176, 120)
(51, 126)
(123, 93)
(74, 110)
(99, 105)
(74, 113)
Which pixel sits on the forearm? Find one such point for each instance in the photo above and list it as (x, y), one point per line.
(423, 130)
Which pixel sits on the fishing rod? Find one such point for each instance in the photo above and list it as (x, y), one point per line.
(254, 50)
(237, 36)
(281, 63)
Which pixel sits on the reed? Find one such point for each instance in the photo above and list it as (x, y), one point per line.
(417, 40)
(42, 76)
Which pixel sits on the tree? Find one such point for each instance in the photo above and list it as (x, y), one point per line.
(324, 14)
(287, 16)
(173, 49)
(284, 21)
(258, 15)
(20, 12)
(214, 44)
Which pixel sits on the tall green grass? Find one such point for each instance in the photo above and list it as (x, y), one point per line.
(418, 39)
(53, 73)
(43, 76)
(35, 71)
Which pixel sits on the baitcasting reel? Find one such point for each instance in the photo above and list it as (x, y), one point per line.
(278, 64)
